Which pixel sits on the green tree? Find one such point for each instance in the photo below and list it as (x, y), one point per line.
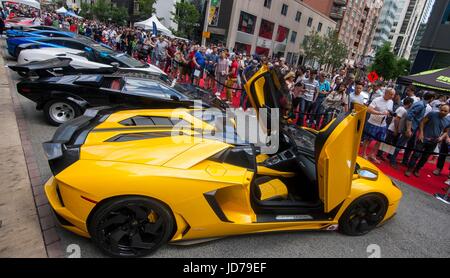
(402, 67)
(388, 65)
(85, 10)
(326, 50)
(101, 10)
(312, 46)
(336, 50)
(146, 9)
(119, 15)
(186, 17)
(385, 62)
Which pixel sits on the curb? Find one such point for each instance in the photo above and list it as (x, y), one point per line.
(47, 221)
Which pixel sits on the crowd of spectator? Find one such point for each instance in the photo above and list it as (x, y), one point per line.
(415, 120)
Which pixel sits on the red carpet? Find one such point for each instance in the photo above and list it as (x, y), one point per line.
(427, 182)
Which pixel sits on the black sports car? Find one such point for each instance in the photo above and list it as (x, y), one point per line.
(65, 97)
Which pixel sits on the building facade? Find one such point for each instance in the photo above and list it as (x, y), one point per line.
(434, 51)
(266, 27)
(421, 31)
(357, 22)
(385, 23)
(408, 27)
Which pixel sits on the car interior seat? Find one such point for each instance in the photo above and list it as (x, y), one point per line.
(270, 189)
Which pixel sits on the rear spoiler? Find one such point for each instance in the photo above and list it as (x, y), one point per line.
(64, 148)
(65, 133)
(57, 66)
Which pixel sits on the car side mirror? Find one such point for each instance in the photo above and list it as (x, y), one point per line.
(115, 64)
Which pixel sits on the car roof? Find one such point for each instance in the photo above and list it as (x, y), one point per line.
(51, 31)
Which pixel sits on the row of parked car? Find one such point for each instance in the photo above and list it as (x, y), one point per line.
(135, 179)
(67, 73)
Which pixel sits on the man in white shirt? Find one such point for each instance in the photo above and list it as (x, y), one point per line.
(356, 96)
(397, 126)
(411, 92)
(376, 126)
(309, 96)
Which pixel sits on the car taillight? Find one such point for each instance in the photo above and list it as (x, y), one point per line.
(25, 90)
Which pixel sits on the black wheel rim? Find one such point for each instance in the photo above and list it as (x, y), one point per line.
(131, 230)
(366, 215)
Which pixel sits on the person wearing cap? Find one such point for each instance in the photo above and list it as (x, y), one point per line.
(289, 78)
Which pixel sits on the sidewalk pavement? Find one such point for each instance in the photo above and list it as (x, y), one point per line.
(20, 230)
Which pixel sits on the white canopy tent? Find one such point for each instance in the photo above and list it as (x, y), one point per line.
(31, 3)
(72, 14)
(61, 10)
(148, 25)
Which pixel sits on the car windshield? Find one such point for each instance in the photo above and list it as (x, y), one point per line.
(223, 124)
(151, 88)
(126, 59)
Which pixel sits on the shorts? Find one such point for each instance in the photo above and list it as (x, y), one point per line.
(374, 132)
(200, 76)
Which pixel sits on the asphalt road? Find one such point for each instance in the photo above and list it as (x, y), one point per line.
(421, 227)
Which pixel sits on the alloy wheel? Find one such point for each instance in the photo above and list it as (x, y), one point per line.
(131, 230)
(61, 112)
(363, 215)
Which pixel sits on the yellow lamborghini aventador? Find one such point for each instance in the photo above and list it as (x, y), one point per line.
(129, 181)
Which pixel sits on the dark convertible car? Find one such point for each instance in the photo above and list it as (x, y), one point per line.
(65, 97)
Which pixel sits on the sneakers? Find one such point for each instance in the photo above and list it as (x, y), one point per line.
(408, 173)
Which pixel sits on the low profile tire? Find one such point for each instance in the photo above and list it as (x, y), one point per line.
(131, 226)
(59, 111)
(363, 215)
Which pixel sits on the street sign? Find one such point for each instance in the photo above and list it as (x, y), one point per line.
(373, 76)
(206, 35)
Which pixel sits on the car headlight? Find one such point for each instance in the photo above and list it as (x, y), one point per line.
(368, 174)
